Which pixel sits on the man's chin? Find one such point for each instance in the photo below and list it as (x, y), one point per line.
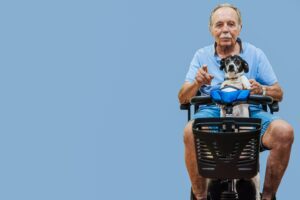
(228, 44)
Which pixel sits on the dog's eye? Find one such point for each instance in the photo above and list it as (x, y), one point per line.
(227, 61)
(237, 62)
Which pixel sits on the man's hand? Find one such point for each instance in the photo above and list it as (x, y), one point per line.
(203, 77)
(255, 88)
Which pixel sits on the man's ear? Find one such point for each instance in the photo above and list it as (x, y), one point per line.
(222, 67)
(245, 66)
(240, 26)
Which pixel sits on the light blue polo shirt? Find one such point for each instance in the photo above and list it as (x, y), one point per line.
(260, 68)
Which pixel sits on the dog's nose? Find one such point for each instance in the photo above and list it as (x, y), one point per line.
(231, 68)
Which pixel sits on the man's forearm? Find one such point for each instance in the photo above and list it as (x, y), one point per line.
(187, 91)
(274, 91)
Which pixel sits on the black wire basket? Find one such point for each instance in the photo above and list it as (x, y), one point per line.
(227, 148)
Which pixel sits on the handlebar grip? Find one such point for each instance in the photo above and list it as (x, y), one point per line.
(259, 99)
(201, 100)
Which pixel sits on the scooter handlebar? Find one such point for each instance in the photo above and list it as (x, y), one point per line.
(252, 99)
(201, 100)
(259, 99)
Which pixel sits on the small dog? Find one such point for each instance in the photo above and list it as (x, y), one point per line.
(234, 68)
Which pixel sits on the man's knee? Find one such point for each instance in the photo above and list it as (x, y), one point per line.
(282, 133)
(188, 136)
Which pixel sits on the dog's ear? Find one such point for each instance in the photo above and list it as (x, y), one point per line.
(222, 64)
(245, 66)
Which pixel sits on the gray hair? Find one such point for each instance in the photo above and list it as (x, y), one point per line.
(238, 12)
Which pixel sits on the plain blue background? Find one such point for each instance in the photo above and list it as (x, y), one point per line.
(89, 105)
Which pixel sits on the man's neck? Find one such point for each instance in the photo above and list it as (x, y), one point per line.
(225, 51)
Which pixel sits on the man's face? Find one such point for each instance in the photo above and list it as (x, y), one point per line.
(225, 27)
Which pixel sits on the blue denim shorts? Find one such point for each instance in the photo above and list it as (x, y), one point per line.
(266, 117)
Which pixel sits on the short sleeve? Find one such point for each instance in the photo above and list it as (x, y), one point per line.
(265, 72)
(194, 66)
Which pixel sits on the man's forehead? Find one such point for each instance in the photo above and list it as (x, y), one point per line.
(224, 14)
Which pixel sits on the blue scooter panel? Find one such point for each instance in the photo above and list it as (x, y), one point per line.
(225, 97)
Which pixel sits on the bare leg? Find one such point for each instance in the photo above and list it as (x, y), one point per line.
(278, 138)
(199, 185)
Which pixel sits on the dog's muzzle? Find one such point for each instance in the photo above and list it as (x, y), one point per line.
(231, 68)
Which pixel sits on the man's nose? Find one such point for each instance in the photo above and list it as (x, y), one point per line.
(225, 28)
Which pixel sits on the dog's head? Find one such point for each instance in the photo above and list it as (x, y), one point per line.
(234, 66)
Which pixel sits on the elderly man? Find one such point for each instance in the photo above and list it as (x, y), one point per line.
(204, 74)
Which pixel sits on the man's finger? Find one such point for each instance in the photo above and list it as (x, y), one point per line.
(200, 78)
(207, 76)
(253, 87)
(202, 72)
(204, 67)
(204, 78)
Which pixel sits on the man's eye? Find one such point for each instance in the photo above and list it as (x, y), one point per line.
(231, 24)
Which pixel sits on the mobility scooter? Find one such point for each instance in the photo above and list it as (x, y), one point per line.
(227, 148)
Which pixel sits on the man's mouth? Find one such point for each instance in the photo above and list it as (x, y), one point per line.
(225, 38)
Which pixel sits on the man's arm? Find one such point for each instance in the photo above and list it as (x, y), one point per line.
(187, 91)
(273, 91)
